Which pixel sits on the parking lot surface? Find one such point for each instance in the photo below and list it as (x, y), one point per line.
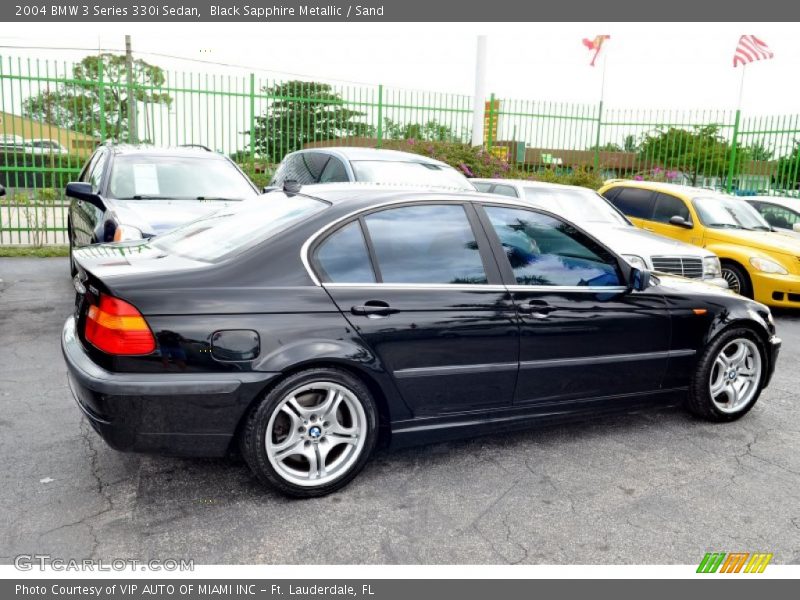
(648, 488)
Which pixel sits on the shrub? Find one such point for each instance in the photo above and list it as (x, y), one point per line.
(471, 161)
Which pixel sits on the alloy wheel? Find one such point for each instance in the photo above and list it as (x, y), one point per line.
(735, 375)
(316, 433)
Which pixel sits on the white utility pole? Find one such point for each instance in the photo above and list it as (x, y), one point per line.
(480, 92)
(133, 118)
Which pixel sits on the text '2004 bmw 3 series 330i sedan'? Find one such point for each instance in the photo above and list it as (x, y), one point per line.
(309, 329)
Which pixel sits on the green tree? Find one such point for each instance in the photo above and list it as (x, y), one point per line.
(79, 104)
(301, 112)
(699, 151)
(630, 145)
(759, 151)
(787, 175)
(430, 131)
(607, 147)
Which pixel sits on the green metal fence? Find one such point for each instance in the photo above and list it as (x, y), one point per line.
(53, 114)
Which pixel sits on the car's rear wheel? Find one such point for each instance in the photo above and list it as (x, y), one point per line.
(729, 377)
(737, 278)
(312, 433)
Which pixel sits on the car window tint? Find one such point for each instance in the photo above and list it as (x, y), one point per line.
(481, 186)
(334, 171)
(425, 244)
(634, 202)
(343, 257)
(543, 250)
(505, 190)
(96, 175)
(305, 167)
(778, 216)
(668, 206)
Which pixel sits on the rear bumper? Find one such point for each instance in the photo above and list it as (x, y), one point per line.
(180, 414)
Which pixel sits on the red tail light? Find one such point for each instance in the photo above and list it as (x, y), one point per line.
(116, 327)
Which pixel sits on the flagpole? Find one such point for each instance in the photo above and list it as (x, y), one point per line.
(741, 87)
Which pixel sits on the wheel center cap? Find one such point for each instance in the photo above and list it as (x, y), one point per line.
(315, 432)
(732, 374)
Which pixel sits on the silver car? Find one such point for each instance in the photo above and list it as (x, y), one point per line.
(340, 164)
(595, 214)
(783, 214)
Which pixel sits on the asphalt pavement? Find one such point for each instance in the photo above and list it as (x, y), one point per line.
(656, 487)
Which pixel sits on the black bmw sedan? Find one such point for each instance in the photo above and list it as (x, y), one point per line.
(130, 192)
(308, 329)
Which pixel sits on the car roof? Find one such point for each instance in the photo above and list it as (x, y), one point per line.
(787, 201)
(376, 154)
(152, 150)
(682, 190)
(658, 186)
(381, 193)
(544, 185)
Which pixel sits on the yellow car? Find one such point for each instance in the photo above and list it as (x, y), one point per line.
(756, 262)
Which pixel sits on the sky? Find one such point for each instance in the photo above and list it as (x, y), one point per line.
(648, 65)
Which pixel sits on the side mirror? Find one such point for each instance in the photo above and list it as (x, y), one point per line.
(83, 191)
(2, 190)
(680, 222)
(795, 227)
(638, 280)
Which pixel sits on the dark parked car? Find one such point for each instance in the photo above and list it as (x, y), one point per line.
(367, 165)
(311, 327)
(132, 192)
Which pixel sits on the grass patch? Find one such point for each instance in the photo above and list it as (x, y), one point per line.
(40, 251)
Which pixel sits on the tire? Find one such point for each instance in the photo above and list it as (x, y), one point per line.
(737, 278)
(723, 389)
(320, 417)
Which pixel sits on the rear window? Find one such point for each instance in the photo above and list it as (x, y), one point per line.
(230, 231)
(410, 172)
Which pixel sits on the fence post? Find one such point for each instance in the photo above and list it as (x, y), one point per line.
(252, 118)
(489, 140)
(101, 96)
(734, 142)
(597, 137)
(380, 115)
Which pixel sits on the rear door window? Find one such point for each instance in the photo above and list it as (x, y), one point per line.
(634, 202)
(505, 190)
(343, 257)
(425, 244)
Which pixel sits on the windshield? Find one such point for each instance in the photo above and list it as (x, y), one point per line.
(731, 213)
(139, 177)
(225, 232)
(578, 206)
(416, 173)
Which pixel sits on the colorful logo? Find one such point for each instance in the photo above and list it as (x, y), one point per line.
(734, 562)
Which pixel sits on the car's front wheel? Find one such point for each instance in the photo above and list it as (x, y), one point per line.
(729, 376)
(312, 433)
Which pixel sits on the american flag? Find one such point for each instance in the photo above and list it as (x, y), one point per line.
(750, 48)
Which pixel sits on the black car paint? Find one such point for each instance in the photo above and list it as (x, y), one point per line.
(449, 363)
(96, 220)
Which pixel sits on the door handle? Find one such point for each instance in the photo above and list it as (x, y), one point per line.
(537, 310)
(373, 308)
